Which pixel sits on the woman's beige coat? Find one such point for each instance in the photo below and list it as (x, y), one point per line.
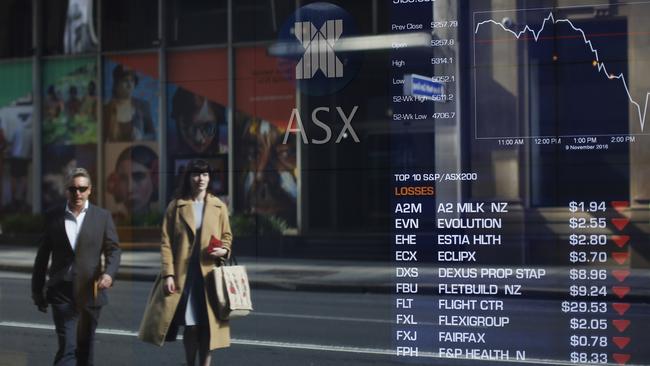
(176, 248)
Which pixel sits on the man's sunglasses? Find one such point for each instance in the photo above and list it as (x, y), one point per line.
(75, 189)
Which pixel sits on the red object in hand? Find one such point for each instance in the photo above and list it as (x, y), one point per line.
(214, 244)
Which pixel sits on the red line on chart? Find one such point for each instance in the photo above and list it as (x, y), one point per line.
(601, 65)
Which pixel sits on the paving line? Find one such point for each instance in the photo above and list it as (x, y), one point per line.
(14, 275)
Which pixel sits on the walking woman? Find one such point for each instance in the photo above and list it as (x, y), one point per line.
(182, 293)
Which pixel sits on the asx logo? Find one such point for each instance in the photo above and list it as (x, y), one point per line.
(345, 118)
(312, 49)
(319, 49)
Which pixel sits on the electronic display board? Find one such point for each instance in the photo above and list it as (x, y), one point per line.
(524, 241)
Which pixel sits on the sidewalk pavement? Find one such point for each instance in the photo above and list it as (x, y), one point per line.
(359, 276)
(270, 273)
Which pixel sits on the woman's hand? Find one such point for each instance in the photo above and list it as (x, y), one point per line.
(170, 285)
(218, 252)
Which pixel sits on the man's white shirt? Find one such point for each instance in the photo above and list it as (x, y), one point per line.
(73, 224)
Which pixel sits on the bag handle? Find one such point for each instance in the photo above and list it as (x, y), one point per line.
(232, 261)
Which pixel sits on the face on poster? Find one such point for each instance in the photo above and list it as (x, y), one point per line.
(197, 124)
(131, 110)
(132, 181)
(70, 103)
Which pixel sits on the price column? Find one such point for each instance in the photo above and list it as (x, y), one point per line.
(587, 306)
(589, 324)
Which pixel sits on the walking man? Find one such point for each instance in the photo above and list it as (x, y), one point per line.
(75, 237)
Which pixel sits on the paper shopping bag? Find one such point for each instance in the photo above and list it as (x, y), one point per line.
(233, 292)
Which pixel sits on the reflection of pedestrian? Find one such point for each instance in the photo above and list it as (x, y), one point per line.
(19, 158)
(179, 296)
(75, 237)
(127, 118)
(134, 182)
(3, 147)
(197, 121)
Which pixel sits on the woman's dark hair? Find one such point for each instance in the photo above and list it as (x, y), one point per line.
(119, 73)
(184, 107)
(195, 166)
(142, 155)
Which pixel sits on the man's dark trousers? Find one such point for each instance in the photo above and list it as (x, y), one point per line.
(75, 328)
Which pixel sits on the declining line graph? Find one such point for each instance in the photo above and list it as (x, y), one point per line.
(600, 65)
(529, 32)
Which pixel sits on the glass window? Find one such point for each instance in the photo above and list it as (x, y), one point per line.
(129, 24)
(16, 32)
(360, 10)
(265, 20)
(383, 17)
(260, 20)
(197, 22)
(54, 16)
(346, 168)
